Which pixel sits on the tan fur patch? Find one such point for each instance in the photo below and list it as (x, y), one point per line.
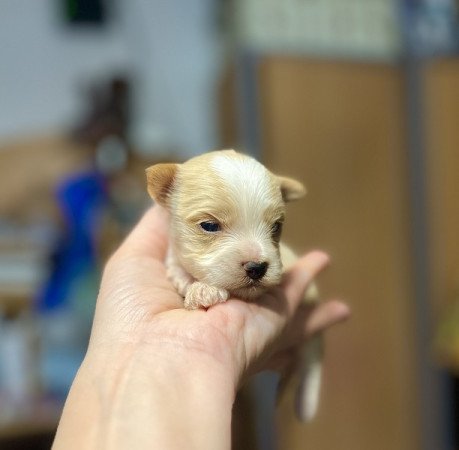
(243, 198)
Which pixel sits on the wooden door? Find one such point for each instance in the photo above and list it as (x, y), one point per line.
(441, 95)
(340, 127)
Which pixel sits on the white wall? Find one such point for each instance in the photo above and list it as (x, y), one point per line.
(169, 45)
(176, 52)
(43, 65)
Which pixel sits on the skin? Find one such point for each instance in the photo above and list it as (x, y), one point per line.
(157, 375)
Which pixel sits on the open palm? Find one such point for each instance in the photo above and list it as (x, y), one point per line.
(139, 307)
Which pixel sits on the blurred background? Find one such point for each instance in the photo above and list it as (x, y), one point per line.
(357, 98)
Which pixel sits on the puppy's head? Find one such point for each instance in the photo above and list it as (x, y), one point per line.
(227, 212)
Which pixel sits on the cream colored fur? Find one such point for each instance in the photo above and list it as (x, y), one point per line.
(246, 201)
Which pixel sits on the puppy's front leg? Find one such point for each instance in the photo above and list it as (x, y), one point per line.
(202, 295)
(195, 293)
(181, 279)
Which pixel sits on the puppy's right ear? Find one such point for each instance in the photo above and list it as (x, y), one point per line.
(160, 180)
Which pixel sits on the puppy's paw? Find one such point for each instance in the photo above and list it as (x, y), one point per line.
(179, 278)
(202, 295)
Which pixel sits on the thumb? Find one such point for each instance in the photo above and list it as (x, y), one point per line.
(149, 237)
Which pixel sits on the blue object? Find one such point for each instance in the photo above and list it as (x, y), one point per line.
(81, 200)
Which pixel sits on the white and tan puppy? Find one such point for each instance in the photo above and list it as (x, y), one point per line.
(227, 212)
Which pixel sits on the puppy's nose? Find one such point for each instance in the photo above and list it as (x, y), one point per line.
(255, 270)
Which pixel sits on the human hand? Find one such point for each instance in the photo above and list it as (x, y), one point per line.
(157, 373)
(138, 306)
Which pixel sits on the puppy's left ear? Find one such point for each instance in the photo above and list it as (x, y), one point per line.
(160, 181)
(291, 189)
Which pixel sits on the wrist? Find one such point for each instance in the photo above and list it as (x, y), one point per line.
(159, 361)
(144, 395)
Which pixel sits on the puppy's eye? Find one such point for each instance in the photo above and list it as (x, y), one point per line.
(209, 226)
(276, 228)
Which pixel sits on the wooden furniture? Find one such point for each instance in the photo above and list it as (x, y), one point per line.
(441, 99)
(340, 127)
(30, 169)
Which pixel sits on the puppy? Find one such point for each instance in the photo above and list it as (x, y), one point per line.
(227, 212)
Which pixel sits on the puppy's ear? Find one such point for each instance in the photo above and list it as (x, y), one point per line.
(291, 189)
(160, 180)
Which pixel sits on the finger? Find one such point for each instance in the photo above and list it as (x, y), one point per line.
(324, 316)
(281, 360)
(150, 236)
(297, 279)
(278, 305)
(310, 319)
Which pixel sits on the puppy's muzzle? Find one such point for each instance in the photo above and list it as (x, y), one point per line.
(255, 270)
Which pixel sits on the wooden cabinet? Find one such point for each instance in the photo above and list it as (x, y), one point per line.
(340, 127)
